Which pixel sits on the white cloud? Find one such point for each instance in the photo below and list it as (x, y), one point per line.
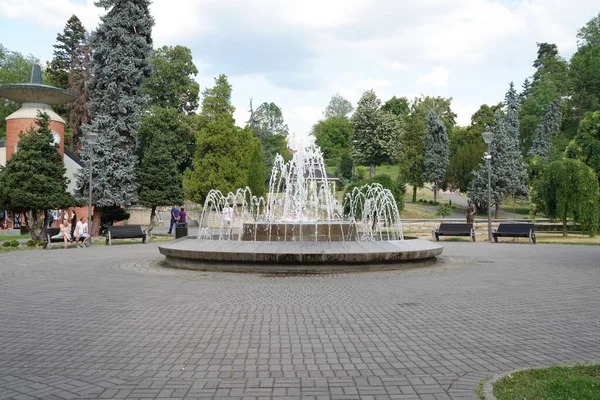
(393, 65)
(438, 76)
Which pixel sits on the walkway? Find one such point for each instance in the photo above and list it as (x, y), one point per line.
(110, 323)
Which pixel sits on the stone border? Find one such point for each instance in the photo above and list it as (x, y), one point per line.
(297, 257)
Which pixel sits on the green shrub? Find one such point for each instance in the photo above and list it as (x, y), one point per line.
(33, 243)
(384, 180)
(444, 210)
(11, 243)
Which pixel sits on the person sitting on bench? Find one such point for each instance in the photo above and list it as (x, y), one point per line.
(65, 232)
(81, 232)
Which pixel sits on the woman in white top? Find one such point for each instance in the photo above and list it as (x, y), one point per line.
(65, 229)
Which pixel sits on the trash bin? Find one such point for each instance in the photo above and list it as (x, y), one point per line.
(181, 230)
(24, 229)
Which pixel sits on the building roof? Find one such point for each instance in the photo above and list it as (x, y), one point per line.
(74, 157)
(35, 91)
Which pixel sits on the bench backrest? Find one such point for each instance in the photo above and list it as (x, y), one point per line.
(125, 231)
(514, 228)
(51, 231)
(447, 227)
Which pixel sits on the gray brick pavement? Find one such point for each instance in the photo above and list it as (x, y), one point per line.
(111, 323)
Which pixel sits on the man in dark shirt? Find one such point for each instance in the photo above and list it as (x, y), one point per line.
(174, 218)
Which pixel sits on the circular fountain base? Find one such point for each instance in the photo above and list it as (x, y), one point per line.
(287, 257)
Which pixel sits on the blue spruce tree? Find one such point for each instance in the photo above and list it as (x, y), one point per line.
(542, 137)
(121, 48)
(437, 152)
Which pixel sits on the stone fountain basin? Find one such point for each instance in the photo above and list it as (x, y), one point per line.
(308, 257)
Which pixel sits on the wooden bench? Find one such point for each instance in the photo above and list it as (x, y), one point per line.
(124, 232)
(515, 230)
(447, 229)
(49, 238)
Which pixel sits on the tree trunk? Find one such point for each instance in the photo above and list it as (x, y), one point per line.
(435, 194)
(497, 211)
(371, 170)
(414, 198)
(152, 221)
(96, 222)
(565, 229)
(32, 225)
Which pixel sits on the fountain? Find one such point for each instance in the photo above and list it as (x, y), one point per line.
(298, 226)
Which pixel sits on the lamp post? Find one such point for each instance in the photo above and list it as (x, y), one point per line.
(487, 138)
(91, 137)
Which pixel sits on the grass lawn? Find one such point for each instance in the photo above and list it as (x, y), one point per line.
(578, 382)
(412, 212)
(5, 238)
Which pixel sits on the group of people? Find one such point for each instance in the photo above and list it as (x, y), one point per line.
(178, 216)
(69, 233)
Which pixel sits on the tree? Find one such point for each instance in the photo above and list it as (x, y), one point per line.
(269, 127)
(508, 171)
(79, 78)
(338, 107)
(34, 177)
(586, 145)
(256, 171)
(159, 179)
(399, 106)
(511, 117)
(332, 135)
(411, 162)
(376, 133)
(435, 143)
(346, 166)
(121, 47)
(221, 160)
(568, 189)
(14, 68)
(525, 90)
(65, 52)
(175, 128)
(172, 83)
(550, 124)
(585, 68)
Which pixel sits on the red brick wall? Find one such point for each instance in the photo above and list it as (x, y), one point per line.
(18, 125)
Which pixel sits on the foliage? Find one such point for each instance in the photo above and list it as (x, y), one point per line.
(569, 189)
(387, 182)
(267, 120)
(435, 144)
(376, 133)
(34, 243)
(11, 243)
(256, 171)
(586, 145)
(508, 170)
(174, 128)
(221, 160)
(346, 167)
(466, 150)
(338, 107)
(411, 160)
(550, 124)
(333, 135)
(14, 68)
(573, 382)
(444, 210)
(172, 83)
(121, 47)
(65, 52)
(399, 106)
(111, 214)
(585, 68)
(34, 177)
(511, 117)
(79, 77)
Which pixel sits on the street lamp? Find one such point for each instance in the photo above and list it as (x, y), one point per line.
(487, 138)
(91, 136)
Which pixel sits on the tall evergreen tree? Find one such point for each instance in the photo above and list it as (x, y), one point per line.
(525, 89)
(34, 178)
(79, 78)
(121, 47)
(511, 101)
(159, 179)
(65, 52)
(550, 124)
(435, 143)
(376, 133)
(256, 171)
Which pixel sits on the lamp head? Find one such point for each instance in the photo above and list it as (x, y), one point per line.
(487, 137)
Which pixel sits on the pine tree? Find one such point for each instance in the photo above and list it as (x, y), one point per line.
(435, 143)
(511, 101)
(79, 78)
(120, 47)
(525, 90)
(65, 52)
(159, 179)
(375, 133)
(550, 123)
(34, 178)
(508, 170)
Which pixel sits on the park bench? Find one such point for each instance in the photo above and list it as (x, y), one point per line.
(447, 229)
(124, 232)
(515, 230)
(49, 237)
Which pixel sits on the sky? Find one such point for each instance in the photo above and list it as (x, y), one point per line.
(298, 54)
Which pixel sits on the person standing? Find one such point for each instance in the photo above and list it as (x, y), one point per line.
(81, 232)
(174, 218)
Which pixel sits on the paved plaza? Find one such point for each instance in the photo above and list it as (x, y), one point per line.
(110, 322)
